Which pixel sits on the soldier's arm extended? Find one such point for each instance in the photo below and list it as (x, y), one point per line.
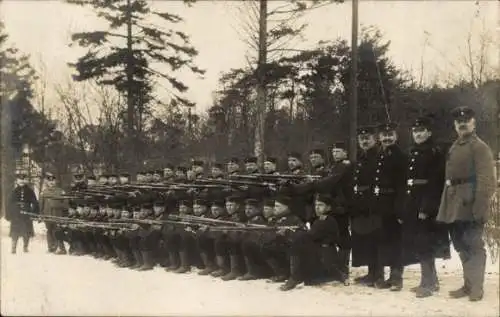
(485, 184)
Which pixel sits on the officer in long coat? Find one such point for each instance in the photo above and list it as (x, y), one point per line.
(423, 238)
(22, 199)
(468, 191)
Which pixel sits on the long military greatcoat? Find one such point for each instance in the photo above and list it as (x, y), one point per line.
(470, 181)
(424, 185)
(22, 198)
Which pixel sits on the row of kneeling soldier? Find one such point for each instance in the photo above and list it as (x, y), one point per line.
(390, 208)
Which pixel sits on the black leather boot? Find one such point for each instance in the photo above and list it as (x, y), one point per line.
(235, 269)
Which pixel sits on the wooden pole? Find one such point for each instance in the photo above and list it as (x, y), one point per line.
(353, 106)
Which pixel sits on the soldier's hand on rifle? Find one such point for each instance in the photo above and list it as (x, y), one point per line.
(203, 228)
(310, 179)
(192, 191)
(281, 232)
(244, 187)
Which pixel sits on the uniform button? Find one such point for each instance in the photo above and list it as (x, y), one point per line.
(413, 160)
(376, 178)
(378, 171)
(411, 168)
(379, 164)
(355, 178)
(408, 191)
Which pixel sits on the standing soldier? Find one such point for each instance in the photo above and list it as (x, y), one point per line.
(365, 220)
(422, 237)
(468, 191)
(52, 205)
(22, 199)
(389, 183)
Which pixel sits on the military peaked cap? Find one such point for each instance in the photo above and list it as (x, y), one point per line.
(317, 151)
(324, 197)
(423, 122)
(218, 165)
(252, 202)
(366, 130)
(271, 159)
(465, 113)
(251, 159)
(339, 145)
(198, 163)
(388, 126)
(234, 160)
(296, 155)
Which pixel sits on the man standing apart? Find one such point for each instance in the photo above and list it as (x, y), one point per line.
(468, 191)
(22, 199)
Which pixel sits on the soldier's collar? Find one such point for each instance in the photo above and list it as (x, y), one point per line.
(466, 138)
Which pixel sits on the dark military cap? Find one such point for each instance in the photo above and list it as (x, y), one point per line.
(388, 126)
(296, 155)
(124, 174)
(200, 201)
(218, 202)
(234, 160)
(103, 175)
(325, 198)
(150, 172)
(252, 202)
(269, 202)
(112, 175)
(158, 172)
(462, 113)
(78, 175)
(218, 165)
(186, 202)
(141, 173)
(339, 145)
(169, 166)
(198, 163)
(317, 151)
(423, 122)
(251, 159)
(366, 130)
(234, 198)
(92, 177)
(284, 199)
(181, 168)
(272, 160)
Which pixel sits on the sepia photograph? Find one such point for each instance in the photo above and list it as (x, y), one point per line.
(250, 158)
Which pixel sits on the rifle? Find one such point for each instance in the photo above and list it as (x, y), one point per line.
(276, 178)
(232, 182)
(252, 228)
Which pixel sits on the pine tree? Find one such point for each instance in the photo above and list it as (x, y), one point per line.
(125, 54)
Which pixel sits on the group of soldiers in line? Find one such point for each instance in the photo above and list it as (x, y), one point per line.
(387, 209)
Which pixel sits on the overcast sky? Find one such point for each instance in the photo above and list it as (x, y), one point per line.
(435, 31)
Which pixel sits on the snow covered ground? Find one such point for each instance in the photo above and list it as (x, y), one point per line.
(38, 283)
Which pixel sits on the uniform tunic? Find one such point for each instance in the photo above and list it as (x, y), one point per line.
(22, 198)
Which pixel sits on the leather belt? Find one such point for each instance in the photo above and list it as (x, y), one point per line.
(377, 190)
(460, 181)
(413, 182)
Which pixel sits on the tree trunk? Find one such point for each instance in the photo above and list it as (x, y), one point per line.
(261, 85)
(131, 158)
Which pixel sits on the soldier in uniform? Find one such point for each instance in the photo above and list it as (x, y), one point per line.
(124, 178)
(233, 166)
(251, 241)
(198, 169)
(217, 171)
(316, 249)
(465, 203)
(422, 236)
(317, 159)
(270, 166)
(251, 166)
(275, 249)
(389, 183)
(295, 165)
(91, 181)
(365, 220)
(22, 199)
(52, 205)
(168, 173)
